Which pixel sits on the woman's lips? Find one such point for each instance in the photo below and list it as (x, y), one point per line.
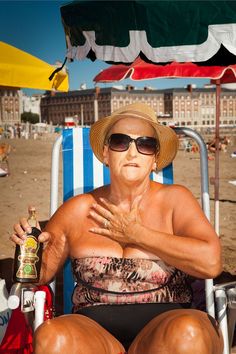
(131, 165)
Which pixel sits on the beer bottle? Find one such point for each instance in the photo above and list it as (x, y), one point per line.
(28, 256)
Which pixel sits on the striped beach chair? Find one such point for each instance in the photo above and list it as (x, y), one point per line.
(82, 172)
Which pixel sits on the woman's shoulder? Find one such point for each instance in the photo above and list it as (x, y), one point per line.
(173, 193)
(171, 188)
(84, 200)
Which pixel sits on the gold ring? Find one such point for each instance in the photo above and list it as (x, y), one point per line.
(105, 224)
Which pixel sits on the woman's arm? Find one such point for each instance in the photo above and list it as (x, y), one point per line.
(55, 245)
(196, 250)
(60, 229)
(56, 248)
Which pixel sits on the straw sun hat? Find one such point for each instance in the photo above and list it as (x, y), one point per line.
(167, 138)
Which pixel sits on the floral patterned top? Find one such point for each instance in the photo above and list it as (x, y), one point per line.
(111, 280)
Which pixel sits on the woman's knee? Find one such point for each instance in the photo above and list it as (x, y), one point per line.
(71, 334)
(187, 334)
(52, 337)
(180, 332)
(191, 331)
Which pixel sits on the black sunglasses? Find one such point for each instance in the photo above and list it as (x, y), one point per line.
(145, 145)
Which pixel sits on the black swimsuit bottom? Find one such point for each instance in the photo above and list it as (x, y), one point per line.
(124, 322)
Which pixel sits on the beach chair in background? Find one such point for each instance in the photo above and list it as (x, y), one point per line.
(82, 172)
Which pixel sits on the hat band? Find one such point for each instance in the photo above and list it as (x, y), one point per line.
(137, 114)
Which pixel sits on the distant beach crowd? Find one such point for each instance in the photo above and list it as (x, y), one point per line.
(27, 130)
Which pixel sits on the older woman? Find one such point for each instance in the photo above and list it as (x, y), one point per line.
(132, 244)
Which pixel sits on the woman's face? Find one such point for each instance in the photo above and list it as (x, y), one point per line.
(130, 165)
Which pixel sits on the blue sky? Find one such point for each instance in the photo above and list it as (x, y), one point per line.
(35, 27)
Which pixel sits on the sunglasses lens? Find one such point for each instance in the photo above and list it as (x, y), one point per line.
(146, 145)
(119, 142)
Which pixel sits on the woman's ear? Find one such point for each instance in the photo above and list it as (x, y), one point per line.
(105, 155)
(154, 166)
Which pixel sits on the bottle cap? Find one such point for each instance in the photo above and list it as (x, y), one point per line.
(13, 302)
(31, 208)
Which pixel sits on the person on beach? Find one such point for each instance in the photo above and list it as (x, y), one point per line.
(133, 245)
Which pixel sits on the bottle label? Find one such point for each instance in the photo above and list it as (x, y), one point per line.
(27, 299)
(28, 259)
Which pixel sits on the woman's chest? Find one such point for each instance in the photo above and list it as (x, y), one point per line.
(88, 244)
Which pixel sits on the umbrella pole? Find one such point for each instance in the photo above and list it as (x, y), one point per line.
(217, 156)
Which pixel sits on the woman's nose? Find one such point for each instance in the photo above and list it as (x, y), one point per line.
(132, 151)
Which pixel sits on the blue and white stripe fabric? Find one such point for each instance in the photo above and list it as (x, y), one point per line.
(82, 172)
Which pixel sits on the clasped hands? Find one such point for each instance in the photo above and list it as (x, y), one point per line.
(115, 223)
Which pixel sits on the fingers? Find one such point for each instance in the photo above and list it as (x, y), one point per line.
(20, 231)
(102, 211)
(44, 237)
(100, 231)
(17, 240)
(111, 207)
(22, 227)
(98, 218)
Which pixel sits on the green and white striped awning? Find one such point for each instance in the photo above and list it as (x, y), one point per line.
(160, 31)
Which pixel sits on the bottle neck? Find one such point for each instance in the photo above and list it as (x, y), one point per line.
(32, 219)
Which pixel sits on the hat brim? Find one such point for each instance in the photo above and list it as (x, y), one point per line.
(167, 139)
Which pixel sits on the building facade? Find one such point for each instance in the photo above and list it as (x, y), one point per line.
(193, 107)
(10, 106)
(31, 104)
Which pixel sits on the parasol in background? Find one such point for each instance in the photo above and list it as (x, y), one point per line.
(23, 70)
(159, 32)
(141, 70)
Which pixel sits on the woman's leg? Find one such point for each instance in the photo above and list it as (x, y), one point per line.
(180, 332)
(74, 334)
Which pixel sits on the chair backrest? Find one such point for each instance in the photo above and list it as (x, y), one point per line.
(82, 172)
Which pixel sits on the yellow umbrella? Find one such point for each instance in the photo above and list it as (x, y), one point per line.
(20, 69)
